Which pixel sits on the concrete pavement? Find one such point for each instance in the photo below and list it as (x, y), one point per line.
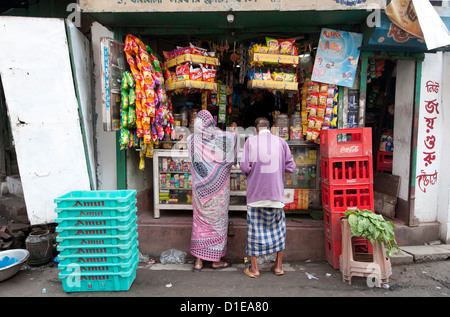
(417, 272)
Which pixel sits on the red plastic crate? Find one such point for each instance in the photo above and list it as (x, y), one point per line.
(333, 249)
(384, 161)
(358, 142)
(345, 197)
(332, 224)
(346, 170)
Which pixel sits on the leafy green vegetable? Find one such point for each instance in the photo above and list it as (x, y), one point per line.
(373, 227)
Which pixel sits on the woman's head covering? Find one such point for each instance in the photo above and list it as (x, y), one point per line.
(212, 152)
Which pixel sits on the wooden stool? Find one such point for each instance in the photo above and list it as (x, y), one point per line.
(375, 265)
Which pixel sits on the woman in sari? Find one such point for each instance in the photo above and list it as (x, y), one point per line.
(212, 152)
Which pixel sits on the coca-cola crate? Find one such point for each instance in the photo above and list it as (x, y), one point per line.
(333, 249)
(346, 142)
(345, 197)
(384, 161)
(346, 170)
(332, 224)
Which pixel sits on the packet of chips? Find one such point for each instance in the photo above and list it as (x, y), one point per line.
(125, 100)
(286, 46)
(273, 45)
(132, 97)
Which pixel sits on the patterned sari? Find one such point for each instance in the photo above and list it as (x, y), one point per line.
(212, 152)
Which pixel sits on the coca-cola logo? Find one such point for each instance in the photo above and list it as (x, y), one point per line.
(350, 149)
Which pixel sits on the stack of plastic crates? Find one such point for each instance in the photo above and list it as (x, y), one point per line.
(97, 240)
(347, 183)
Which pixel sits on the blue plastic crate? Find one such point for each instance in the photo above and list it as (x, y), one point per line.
(98, 241)
(95, 231)
(99, 267)
(98, 281)
(105, 258)
(96, 249)
(95, 222)
(96, 199)
(73, 212)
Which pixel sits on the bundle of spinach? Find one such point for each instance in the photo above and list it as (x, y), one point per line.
(373, 227)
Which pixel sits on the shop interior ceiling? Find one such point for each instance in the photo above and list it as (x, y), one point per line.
(184, 27)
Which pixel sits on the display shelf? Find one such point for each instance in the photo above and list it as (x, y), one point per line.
(302, 188)
(181, 84)
(177, 198)
(192, 58)
(305, 190)
(272, 84)
(274, 58)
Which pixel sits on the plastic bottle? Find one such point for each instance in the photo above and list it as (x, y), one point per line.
(307, 177)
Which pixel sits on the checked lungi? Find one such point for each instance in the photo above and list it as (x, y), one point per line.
(266, 230)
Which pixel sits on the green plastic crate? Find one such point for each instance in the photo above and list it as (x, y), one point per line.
(96, 240)
(96, 199)
(99, 267)
(95, 222)
(98, 281)
(108, 257)
(74, 212)
(95, 231)
(96, 249)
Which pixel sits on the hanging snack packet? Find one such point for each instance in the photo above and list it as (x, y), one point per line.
(322, 99)
(124, 82)
(124, 118)
(132, 97)
(130, 79)
(125, 100)
(124, 138)
(318, 124)
(311, 123)
(273, 45)
(321, 111)
(131, 117)
(286, 46)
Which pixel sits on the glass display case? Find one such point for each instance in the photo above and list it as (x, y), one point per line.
(173, 181)
(302, 188)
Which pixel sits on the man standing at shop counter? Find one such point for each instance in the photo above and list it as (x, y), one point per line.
(265, 160)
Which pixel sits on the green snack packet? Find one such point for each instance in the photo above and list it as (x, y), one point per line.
(132, 97)
(130, 79)
(124, 81)
(125, 99)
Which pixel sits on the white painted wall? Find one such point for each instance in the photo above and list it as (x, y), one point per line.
(43, 110)
(105, 141)
(427, 194)
(404, 103)
(443, 204)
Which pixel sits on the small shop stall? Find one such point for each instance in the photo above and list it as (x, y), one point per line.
(162, 92)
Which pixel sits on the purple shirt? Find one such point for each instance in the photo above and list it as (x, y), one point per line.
(264, 161)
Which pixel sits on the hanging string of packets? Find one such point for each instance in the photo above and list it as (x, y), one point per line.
(146, 112)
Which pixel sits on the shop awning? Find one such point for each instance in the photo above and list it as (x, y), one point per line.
(390, 37)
